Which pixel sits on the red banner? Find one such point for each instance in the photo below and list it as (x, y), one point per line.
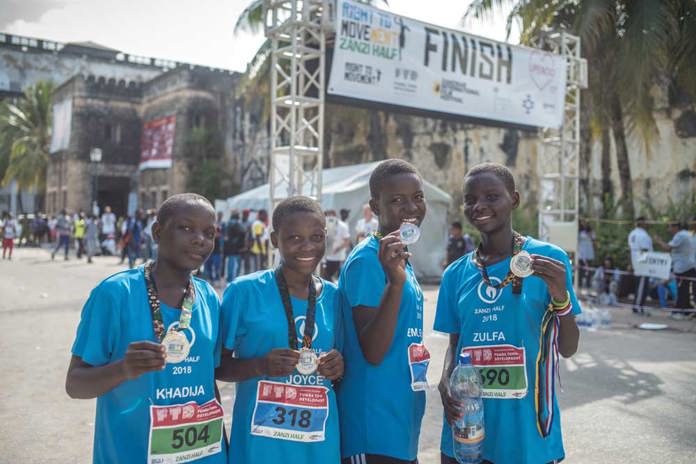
(157, 143)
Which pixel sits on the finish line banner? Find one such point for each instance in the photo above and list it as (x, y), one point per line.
(386, 58)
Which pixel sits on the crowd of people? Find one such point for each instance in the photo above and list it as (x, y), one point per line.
(610, 283)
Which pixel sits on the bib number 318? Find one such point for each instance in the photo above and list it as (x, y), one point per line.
(290, 412)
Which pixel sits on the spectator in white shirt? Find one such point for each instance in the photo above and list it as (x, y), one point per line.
(366, 225)
(337, 245)
(639, 241)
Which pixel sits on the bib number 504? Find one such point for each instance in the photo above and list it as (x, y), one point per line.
(189, 436)
(283, 415)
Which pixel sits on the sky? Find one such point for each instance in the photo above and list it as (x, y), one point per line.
(192, 31)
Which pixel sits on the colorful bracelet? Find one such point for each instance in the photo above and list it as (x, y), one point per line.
(564, 311)
(562, 304)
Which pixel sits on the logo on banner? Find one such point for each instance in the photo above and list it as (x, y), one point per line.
(528, 104)
(489, 294)
(541, 68)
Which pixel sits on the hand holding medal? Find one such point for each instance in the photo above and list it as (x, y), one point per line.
(331, 365)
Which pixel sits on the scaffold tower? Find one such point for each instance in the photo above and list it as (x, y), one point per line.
(297, 32)
(559, 160)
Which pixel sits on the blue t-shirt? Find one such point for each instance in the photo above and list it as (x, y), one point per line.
(381, 406)
(276, 419)
(502, 330)
(116, 314)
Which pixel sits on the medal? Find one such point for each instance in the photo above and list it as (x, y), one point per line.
(521, 264)
(176, 346)
(308, 362)
(409, 233)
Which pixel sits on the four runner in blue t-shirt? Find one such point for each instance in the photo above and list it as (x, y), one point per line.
(282, 333)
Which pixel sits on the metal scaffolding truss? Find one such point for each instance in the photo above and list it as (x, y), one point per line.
(559, 160)
(296, 30)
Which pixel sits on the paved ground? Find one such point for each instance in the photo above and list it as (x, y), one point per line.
(629, 396)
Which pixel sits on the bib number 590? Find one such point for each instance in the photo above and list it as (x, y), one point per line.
(499, 376)
(305, 417)
(189, 436)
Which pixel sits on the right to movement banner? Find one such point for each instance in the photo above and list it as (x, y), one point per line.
(386, 58)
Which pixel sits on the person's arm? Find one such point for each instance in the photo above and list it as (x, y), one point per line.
(553, 272)
(85, 381)
(675, 242)
(453, 408)
(279, 362)
(375, 327)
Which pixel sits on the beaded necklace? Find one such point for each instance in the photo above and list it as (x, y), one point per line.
(155, 308)
(517, 244)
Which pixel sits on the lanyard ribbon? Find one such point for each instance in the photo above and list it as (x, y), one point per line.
(287, 306)
(155, 308)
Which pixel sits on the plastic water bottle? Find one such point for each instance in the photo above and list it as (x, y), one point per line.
(468, 431)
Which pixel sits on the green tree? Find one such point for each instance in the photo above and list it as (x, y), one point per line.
(25, 135)
(631, 46)
(208, 173)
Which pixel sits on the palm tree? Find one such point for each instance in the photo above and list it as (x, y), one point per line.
(630, 45)
(25, 135)
(251, 18)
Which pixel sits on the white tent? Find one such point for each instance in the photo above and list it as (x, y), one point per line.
(348, 187)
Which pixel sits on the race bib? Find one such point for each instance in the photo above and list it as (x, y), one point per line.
(503, 370)
(185, 432)
(418, 360)
(290, 412)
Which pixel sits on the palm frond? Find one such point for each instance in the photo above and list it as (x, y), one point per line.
(251, 19)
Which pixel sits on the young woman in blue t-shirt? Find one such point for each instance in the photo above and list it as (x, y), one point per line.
(382, 397)
(513, 325)
(147, 347)
(281, 335)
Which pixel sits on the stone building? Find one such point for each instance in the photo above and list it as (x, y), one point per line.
(104, 100)
(198, 98)
(110, 116)
(105, 116)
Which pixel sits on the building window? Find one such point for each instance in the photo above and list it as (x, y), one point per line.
(64, 204)
(117, 134)
(197, 121)
(107, 132)
(143, 200)
(153, 196)
(165, 194)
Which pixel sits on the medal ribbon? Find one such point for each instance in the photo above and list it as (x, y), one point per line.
(546, 369)
(156, 310)
(287, 306)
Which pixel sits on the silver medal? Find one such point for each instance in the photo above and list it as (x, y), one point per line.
(521, 264)
(308, 362)
(176, 346)
(409, 233)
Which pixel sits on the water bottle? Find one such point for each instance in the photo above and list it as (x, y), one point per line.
(468, 431)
